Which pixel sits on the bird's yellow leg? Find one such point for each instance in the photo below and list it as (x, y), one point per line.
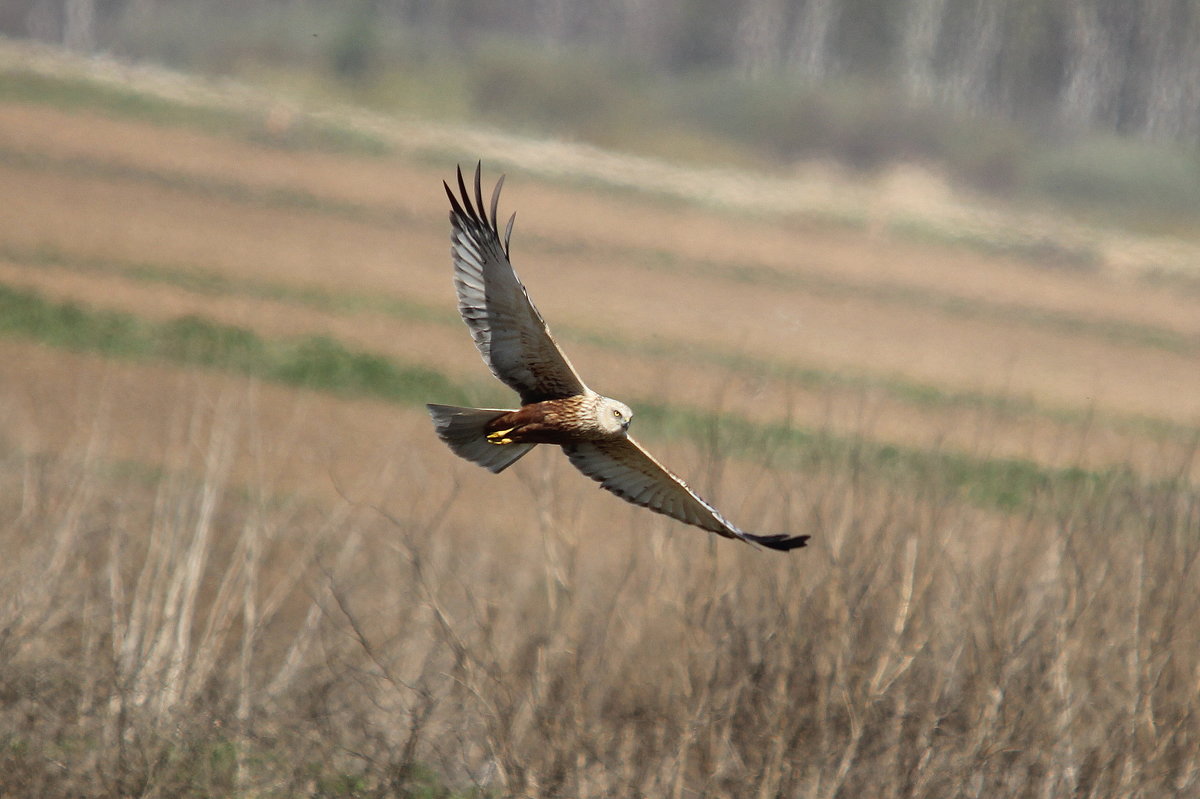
(500, 436)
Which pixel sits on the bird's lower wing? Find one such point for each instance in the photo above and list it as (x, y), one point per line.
(627, 470)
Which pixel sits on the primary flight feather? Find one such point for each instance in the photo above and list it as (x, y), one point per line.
(556, 406)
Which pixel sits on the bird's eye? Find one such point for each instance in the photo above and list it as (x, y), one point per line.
(616, 413)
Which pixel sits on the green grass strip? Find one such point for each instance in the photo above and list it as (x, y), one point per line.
(1006, 484)
(322, 363)
(316, 362)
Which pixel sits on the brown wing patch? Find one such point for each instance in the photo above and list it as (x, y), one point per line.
(550, 422)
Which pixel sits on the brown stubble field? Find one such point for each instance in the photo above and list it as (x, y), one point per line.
(226, 586)
(829, 313)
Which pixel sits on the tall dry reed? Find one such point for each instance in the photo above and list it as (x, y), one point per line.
(180, 632)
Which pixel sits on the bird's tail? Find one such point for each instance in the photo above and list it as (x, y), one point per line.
(463, 431)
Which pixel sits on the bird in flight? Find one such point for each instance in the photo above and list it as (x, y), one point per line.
(556, 406)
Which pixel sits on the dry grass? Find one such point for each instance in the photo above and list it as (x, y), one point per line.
(178, 631)
(217, 587)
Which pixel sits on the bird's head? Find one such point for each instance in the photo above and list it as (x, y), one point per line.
(613, 416)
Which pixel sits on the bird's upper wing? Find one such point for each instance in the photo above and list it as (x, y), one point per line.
(627, 470)
(508, 330)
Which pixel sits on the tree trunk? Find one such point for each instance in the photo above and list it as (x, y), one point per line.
(1094, 69)
(42, 21)
(758, 45)
(811, 53)
(1170, 35)
(918, 47)
(79, 25)
(969, 79)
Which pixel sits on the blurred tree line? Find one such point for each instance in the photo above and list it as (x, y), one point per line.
(1124, 66)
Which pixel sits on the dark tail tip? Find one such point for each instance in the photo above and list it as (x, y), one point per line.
(783, 543)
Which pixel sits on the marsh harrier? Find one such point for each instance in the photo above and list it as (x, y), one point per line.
(556, 406)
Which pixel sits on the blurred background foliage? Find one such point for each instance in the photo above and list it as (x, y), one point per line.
(1089, 103)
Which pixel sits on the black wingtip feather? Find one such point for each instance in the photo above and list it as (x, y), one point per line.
(496, 204)
(475, 210)
(782, 543)
(480, 207)
(455, 208)
(468, 208)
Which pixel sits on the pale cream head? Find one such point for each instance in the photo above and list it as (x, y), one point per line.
(613, 416)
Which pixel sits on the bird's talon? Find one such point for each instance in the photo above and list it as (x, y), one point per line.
(500, 436)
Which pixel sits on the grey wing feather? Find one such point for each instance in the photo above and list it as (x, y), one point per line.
(627, 470)
(507, 328)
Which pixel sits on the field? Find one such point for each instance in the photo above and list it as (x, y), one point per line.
(241, 564)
